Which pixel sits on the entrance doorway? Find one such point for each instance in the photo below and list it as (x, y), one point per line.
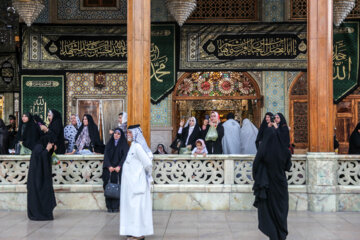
(197, 94)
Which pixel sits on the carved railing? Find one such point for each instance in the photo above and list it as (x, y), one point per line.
(167, 169)
(296, 176)
(348, 170)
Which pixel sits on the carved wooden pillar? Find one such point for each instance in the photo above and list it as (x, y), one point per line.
(320, 75)
(138, 60)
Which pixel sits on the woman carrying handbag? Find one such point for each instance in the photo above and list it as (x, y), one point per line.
(115, 154)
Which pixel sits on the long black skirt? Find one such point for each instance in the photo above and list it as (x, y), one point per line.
(40, 192)
(111, 204)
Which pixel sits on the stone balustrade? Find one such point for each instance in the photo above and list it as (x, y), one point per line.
(214, 182)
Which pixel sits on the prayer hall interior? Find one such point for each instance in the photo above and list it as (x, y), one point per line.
(162, 63)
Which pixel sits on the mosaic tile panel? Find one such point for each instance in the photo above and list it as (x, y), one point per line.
(44, 16)
(273, 10)
(70, 10)
(83, 84)
(161, 113)
(290, 78)
(274, 92)
(258, 78)
(159, 12)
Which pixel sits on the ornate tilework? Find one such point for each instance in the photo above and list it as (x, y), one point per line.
(159, 12)
(274, 92)
(258, 78)
(70, 10)
(44, 16)
(290, 78)
(83, 84)
(161, 113)
(273, 10)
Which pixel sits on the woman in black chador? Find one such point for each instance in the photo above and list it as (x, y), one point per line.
(56, 128)
(354, 141)
(282, 129)
(4, 138)
(263, 126)
(270, 185)
(88, 136)
(115, 154)
(40, 193)
(29, 132)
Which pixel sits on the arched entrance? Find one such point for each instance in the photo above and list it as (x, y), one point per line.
(298, 117)
(199, 93)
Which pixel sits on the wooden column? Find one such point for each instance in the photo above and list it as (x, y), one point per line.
(138, 60)
(320, 75)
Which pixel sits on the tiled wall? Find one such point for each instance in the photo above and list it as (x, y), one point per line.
(44, 16)
(161, 113)
(78, 84)
(273, 10)
(274, 91)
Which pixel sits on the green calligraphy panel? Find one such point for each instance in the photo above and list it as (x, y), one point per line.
(345, 59)
(162, 54)
(39, 94)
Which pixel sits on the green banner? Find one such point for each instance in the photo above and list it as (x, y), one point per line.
(345, 59)
(41, 93)
(162, 54)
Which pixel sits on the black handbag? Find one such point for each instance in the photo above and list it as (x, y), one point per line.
(112, 190)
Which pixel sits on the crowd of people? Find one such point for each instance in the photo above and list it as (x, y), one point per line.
(215, 137)
(131, 166)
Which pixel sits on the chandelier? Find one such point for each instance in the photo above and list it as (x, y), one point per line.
(28, 10)
(181, 9)
(341, 9)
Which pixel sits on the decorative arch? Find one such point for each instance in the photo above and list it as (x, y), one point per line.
(216, 85)
(298, 112)
(226, 90)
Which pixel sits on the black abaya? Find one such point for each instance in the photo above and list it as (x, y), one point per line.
(195, 135)
(262, 128)
(354, 141)
(29, 133)
(114, 156)
(270, 185)
(283, 131)
(4, 138)
(57, 128)
(214, 147)
(40, 193)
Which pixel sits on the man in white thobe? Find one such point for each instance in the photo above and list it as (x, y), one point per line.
(135, 199)
(231, 140)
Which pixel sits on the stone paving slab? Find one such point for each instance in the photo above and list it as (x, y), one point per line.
(184, 225)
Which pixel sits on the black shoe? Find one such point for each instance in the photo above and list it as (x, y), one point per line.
(109, 210)
(115, 210)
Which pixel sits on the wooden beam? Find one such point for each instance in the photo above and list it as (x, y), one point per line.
(138, 60)
(320, 75)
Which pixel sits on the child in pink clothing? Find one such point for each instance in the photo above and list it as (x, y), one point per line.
(200, 148)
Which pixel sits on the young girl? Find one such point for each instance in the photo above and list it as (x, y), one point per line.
(200, 148)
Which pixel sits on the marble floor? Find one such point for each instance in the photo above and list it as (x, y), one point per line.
(79, 225)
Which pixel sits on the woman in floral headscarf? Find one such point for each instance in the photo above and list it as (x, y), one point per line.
(70, 132)
(214, 145)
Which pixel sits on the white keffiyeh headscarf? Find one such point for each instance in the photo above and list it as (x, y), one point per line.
(138, 137)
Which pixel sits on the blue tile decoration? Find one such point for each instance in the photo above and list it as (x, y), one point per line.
(44, 16)
(273, 10)
(159, 12)
(161, 113)
(70, 10)
(274, 92)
